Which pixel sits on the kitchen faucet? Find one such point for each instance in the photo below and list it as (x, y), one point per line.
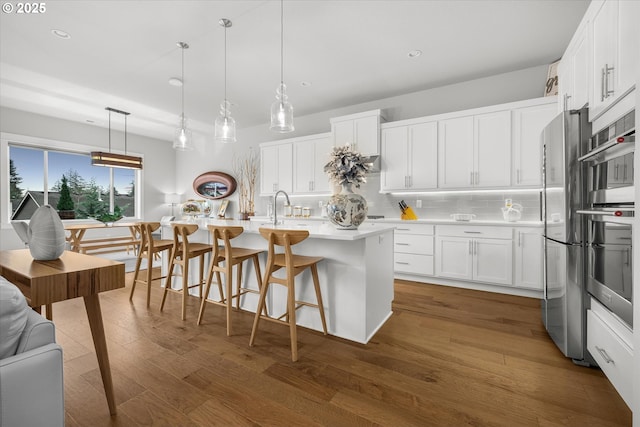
(275, 200)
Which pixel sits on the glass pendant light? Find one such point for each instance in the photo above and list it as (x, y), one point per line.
(225, 126)
(281, 109)
(183, 140)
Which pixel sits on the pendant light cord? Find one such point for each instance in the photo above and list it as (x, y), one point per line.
(182, 121)
(225, 71)
(281, 42)
(125, 135)
(109, 131)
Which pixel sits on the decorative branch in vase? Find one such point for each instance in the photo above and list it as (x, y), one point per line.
(246, 168)
(347, 168)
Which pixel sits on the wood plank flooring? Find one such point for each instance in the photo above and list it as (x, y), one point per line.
(447, 357)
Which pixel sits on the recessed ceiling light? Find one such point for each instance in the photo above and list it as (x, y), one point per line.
(175, 81)
(414, 53)
(61, 34)
(305, 84)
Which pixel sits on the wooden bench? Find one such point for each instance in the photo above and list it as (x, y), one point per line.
(109, 244)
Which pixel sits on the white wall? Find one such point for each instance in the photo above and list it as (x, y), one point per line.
(159, 159)
(498, 89)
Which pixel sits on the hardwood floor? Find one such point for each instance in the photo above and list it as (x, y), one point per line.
(447, 357)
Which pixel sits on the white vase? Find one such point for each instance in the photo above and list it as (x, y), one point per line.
(347, 209)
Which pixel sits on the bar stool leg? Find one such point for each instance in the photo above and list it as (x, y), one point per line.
(167, 284)
(238, 284)
(228, 276)
(291, 318)
(185, 286)
(135, 277)
(149, 276)
(316, 285)
(261, 306)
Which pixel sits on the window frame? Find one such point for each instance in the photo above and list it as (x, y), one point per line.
(46, 144)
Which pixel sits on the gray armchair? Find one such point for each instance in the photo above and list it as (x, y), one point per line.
(31, 386)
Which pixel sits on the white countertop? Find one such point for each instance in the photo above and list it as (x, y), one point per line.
(321, 230)
(447, 221)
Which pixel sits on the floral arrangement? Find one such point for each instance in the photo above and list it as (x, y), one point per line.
(246, 168)
(347, 166)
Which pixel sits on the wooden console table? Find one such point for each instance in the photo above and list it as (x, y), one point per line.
(70, 276)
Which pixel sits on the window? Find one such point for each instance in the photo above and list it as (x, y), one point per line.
(36, 178)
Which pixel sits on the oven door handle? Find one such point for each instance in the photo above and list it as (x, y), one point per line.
(616, 213)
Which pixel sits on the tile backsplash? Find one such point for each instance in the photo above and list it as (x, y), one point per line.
(485, 206)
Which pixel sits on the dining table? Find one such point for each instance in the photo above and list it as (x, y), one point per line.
(77, 232)
(72, 275)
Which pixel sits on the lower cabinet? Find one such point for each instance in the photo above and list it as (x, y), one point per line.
(500, 258)
(610, 343)
(528, 258)
(482, 254)
(413, 249)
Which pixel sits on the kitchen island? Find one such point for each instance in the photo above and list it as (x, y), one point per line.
(356, 276)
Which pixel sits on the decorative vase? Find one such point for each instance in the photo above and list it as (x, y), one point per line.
(347, 209)
(44, 234)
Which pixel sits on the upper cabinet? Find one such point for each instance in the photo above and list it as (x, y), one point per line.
(475, 151)
(614, 47)
(409, 157)
(528, 123)
(361, 130)
(574, 72)
(276, 167)
(310, 154)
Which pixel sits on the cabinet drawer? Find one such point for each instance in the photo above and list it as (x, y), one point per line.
(475, 231)
(414, 229)
(413, 264)
(613, 355)
(413, 244)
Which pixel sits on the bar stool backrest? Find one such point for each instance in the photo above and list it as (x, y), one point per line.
(222, 236)
(181, 233)
(146, 238)
(285, 238)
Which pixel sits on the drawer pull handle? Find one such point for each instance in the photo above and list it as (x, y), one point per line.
(403, 263)
(604, 355)
(402, 244)
(473, 232)
(403, 229)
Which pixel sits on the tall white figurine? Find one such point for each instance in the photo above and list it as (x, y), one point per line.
(44, 234)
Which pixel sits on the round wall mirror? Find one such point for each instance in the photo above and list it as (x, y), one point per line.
(214, 185)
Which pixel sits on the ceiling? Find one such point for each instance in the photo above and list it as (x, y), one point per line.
(122, 53)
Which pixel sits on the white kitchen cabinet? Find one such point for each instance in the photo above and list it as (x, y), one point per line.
(615, 55)
(475, 151)
(574, 72)
(528, 123)
(310, 154)
(483, 254)
(361, 130)
(276, 167)
(455, 152)
(528, 254)
(413, 249)
(610, 342)
(409, 157)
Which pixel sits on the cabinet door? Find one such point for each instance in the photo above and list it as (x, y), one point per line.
(303, 167)
(527, 148)
(285, 167)
(528, 259)
(581, 72)
(455, 152)
(321, 150)
(343, 133)
(453, 256)
(393, 175)
(268, 169)
(367, 135)
(628, 44)
(423, 156)
(492, 149)
(492, 261)
(603, 36)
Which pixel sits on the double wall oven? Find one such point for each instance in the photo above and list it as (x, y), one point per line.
(610, 211)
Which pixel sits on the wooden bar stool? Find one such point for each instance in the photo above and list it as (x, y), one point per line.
(181, 253)
(149, 249)
(222, 251)
(294, 264)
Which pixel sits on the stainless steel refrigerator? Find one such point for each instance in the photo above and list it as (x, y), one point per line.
(564, 192)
